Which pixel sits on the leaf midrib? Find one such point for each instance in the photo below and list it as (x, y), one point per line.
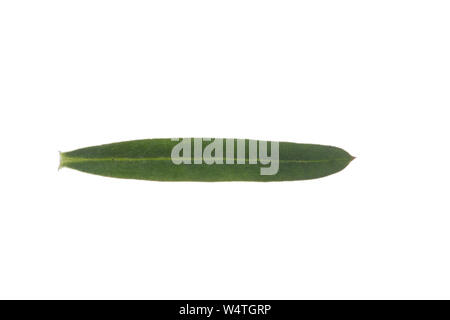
(66, 159)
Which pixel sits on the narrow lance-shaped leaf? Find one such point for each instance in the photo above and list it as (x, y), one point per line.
(208, 160)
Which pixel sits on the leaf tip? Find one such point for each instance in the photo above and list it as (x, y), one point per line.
(61, 160)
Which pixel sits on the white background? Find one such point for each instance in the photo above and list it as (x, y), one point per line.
(372, 77)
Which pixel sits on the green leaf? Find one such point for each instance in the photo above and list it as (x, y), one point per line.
(152, 159)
